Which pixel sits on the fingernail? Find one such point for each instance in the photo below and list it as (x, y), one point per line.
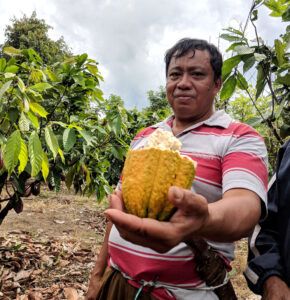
(177, 193)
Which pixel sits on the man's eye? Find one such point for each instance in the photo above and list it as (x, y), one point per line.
(174, 75)
(197, 74)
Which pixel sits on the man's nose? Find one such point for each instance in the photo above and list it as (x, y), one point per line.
(184, 82)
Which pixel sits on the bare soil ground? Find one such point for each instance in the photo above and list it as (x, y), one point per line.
(48, 250)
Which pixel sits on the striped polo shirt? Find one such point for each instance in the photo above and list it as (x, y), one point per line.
(229, 154)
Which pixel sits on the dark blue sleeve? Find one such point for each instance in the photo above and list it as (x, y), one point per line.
(266, 256)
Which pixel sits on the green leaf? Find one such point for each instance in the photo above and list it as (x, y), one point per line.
(285, 114)
(87, 173)
(281, 108)
(11, 69)
(116, 124)
(33, 119)
(254, 15)
(248, 63)
(52, 76)
(32, 55)
(280, 50)
(70, 176)
(234, 45)
(9, 75)
(261, 81)
(11, 51)
(40, 87)
(241, 81)
(21, 85)
(230, 37)
(81, 59)
(23, 157)
(11, 151)
(35, 153)
(36, 76)
(259, 57)
(284, 79)
(228, 88)
(93, 69)
(236, 31)
(25, 104)
(5, 87)
(244, 50)
(2, 64)
(13, 114)
(64, 125)
(285, 131)
(286, 15)
(23, 123)
(108, 189)
(38, 109)
(2, 141)
(60, 152)
(51, 141)
(44, 166)
(101, 130)
(277, 7)
(77, 127)
(117, 152)
(69, 138)
(229, 64)
(56, 180)
(254, 121)
(87, 136)
(11, 61)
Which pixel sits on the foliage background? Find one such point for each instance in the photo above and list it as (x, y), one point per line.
(55, 124)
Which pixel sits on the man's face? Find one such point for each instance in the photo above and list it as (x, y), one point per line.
(190, 86)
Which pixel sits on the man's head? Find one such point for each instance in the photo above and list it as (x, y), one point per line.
(193, 78)
(186, 45)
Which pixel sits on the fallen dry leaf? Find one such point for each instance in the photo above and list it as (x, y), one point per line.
(22, 275)
(59, 221)
(71, 293)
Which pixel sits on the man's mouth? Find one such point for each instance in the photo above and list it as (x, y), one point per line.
(184, 98)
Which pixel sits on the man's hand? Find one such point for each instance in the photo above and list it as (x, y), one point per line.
(186, 223)
(94, 287)
(275, 289)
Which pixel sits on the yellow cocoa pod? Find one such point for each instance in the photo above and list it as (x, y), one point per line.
(147, 176)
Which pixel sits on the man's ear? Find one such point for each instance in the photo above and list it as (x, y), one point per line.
(218, 84)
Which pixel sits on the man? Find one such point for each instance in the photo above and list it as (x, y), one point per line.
(268, 271)
(152, 259)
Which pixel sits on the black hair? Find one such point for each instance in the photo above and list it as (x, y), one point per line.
(185, 45)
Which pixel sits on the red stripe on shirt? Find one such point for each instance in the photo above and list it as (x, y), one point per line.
(235, 129)
(246, 162)
(144, 133)
(149, 254)
(146, 268)
(208, 167)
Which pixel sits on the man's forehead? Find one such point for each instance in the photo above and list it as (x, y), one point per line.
(204, 54)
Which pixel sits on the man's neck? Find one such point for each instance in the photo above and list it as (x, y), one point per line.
(179, 126)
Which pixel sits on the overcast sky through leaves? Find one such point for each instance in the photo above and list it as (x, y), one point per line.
(129, 37)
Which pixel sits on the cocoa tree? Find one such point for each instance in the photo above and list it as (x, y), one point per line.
(272, 68)
(55, 125)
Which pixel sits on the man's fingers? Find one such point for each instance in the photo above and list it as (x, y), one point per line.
(141, 230)
(118, 193)
(189, 203)
(116, 202)
(144, 232)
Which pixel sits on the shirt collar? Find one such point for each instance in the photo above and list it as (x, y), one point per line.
(219, 118)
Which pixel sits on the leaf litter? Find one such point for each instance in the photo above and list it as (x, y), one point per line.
(48, 251)
(40, 264)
